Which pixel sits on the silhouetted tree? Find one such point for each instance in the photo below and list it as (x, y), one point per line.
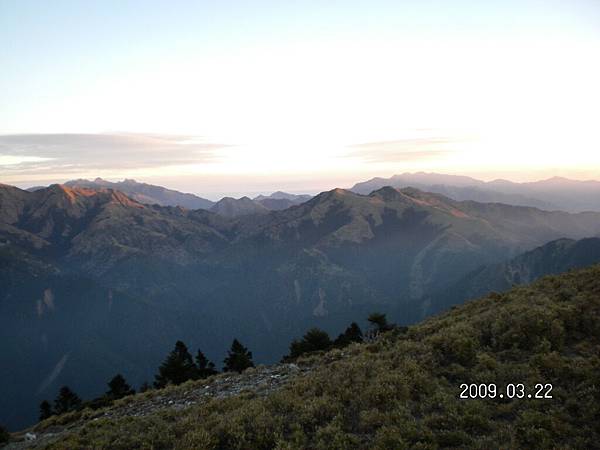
(238, 358)
(145, 387)
(379, 321)
(4, 435)
(66, 401)
(177, 368)
(45, 410)
(204, 367)
(314, 340)
(118, 388)
(352, 334)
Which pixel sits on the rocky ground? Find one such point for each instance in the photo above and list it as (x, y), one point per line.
(261, 381)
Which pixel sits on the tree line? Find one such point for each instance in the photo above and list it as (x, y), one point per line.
(179, 366)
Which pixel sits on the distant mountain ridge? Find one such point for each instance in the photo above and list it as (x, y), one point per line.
(551, 194)
(150, 194)
(146, 193)
(232, 207)
(281, 200)
(280, 195)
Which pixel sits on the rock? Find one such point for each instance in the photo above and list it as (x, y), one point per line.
(30, 437)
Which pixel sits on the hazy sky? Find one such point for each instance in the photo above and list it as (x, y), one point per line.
(250, 96)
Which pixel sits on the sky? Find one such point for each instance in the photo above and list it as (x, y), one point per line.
(246, 97)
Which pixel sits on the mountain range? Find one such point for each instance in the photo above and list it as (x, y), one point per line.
(84, 271)
(146, 193)
(552, 194)
(151, 194)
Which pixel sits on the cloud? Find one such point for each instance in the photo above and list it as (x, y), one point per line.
(43, 154)
(402, 150)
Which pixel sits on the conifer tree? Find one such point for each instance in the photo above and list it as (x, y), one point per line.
(177, 368)
(352, 334)
(205, 368)
(4, 435)
(314, 340)
(66, 401)
(45, 410)
(118, 388)
(238, 358)
(379, 321)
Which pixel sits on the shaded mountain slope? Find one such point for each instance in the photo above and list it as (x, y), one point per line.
(401, 391)
(552, 258)
(276, 204)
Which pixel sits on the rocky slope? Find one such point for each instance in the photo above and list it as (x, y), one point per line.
(260, 382)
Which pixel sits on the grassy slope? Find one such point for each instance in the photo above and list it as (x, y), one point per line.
(401, 391)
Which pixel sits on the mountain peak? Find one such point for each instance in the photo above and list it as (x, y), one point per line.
(333, 194)
(232, 207)
(387, 194)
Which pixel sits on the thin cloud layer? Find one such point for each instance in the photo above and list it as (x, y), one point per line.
(402, 150)
(44, 154)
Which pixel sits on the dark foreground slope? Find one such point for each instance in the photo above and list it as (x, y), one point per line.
(401, 391)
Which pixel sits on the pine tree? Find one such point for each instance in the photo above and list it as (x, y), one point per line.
(238, 358)
(177, 368)
(314, 340)
(118, 388)
(205, 368)
(379, 321)
(45, 410)
(352, 334)
(4, 435)
(66, 401)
